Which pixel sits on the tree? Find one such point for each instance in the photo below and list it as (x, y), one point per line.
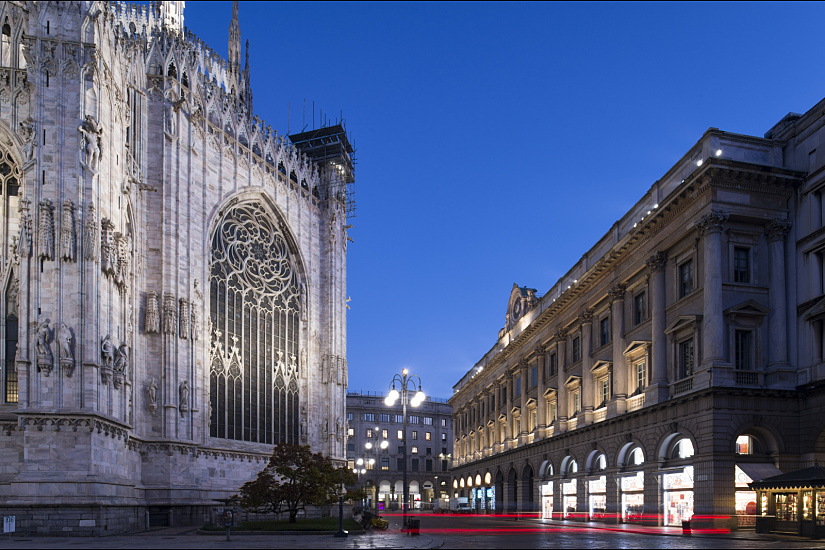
(294, 478)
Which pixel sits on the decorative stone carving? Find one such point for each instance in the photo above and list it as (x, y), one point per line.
(777, 230)
(656, 262)
(64, 342)
(617, 292)
(107, 350)
(586, 316)
(184, 396)
(24, 243)
(152, 396)
(91, 142)
(170, 319)
(67, 233)
(152, 324)
(196, 326)
(711, 223)
(184, 318)
(121, 365)
(43, 347)
(29, 137)
(108, 251)
(90, 234)
(561, 333)
(46, 233)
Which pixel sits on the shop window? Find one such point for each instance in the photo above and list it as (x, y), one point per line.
(741, 264)
(639, 308)
(747, 445)
(786, 507)
(686, 278)
(636, 457)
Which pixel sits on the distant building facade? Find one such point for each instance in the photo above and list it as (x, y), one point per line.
(679, 359)
(429, 442)
(173, 271)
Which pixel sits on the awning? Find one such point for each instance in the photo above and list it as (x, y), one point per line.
(758, 471)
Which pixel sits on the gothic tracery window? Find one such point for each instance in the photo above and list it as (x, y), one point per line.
(10, 179)
(255, 311)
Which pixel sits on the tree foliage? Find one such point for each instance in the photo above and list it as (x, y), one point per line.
(295, 478)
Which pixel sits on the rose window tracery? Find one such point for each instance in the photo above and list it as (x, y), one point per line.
(255, 312)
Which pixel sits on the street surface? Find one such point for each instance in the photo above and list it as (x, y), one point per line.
(438, 531)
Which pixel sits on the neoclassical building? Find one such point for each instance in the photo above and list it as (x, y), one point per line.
(173, 271)
(678, 360)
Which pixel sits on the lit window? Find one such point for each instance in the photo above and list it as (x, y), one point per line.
(385, 463)
(636, 457)
(428, 420)
(369, 434)
(400, 434)
(576, 404)
(428, 436)
(351, 432)
(604, 390)
(385, 434)
(414, 449)
(682, 449)
(641, 375)
(747, 445)
(414, 435)
(369, 417)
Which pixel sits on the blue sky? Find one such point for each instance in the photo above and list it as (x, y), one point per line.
(496, 143)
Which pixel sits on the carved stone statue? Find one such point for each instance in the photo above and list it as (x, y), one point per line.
(90, 234)
(91, 141)
(121, 365)
(184, 396)
(196, 326)
(64, 343)
(67, 234)
(29, 136)
(46, 234)
(170, 319)
(24, 242)
(152, 325)
(107, 350)
(42, 346)
(108, 251)
(152, 396)
(184, 318)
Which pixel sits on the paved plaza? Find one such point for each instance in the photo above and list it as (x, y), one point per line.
(437, 532)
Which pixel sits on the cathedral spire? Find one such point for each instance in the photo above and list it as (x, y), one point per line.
(234, 57)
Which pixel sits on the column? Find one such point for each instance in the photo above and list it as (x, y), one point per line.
(713, 324)
(586, 320)
(524, 421)
(508, 390)
(541, 402)
(561, 399)
(775, 232)
(496, 424)
(618, 399)
(657, 389)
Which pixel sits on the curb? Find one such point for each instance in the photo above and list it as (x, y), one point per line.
(275, 533)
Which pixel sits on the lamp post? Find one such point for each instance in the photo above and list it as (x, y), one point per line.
(382, 445)
(407, 383)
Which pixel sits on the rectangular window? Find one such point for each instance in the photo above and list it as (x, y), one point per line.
(741, 264)
(428, 420)
(414, 465)
(414, 419)
(385, 463)
(577, 349)
(443, 437)
(576, 404)
(400, 449)
(350, 464)
(443, 465)
(414, 435)
(518, 386)
(554, 412)
(639, 308)
(385, 434)
(369, 433)
(604, 391)
(443, 422)
(443, 450)
(641, 375)
(399, 463)
(369, 417)
(414, 449)
(428, 436)
(351, 432)
(533, 420)
(685, 278)
(429, 465)
(604, 331)
(554, 364)
(400, 434)
(386, 418)
(534, 377)
(351, 447)
(429, 451)
(742, 349)
(350, 417)
(686, 357)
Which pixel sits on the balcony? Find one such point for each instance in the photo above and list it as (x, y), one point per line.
(749, 378)
(683, 386)
(600, 414)
(636, 402)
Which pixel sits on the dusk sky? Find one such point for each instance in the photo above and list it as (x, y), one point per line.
(497, 142)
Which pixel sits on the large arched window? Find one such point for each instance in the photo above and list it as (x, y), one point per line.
(10, 179)
(255, 311)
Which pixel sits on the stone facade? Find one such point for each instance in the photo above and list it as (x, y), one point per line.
(173, 271)
(429, 443)
(680, 358)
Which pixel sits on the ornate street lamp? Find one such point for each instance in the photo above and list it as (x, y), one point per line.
(407, 384)
(379, 446)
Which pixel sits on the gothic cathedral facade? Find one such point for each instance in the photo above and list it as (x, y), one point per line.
(173, 271)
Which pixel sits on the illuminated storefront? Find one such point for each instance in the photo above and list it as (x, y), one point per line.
(678, 496)
(597, 498)
(633, 497)
(745, 499)
(792, 503)
(569, 501)
(547, 500)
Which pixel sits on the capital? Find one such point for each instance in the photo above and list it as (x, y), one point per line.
(617, 292)
(712, 223)
(777, 230)
(540, 349)
(586, 316)
(561, 333)
(656, 262)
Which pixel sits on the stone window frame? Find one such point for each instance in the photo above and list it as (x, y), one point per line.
(553, 362)
(573, 388)
(749, 316)
(602, 374)
(604, 320)
(750, 241)
(681, 330)
(681, 288)
(639, 320)
(551, 397)
(575, 347)
(637, 352)
(532, 415)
